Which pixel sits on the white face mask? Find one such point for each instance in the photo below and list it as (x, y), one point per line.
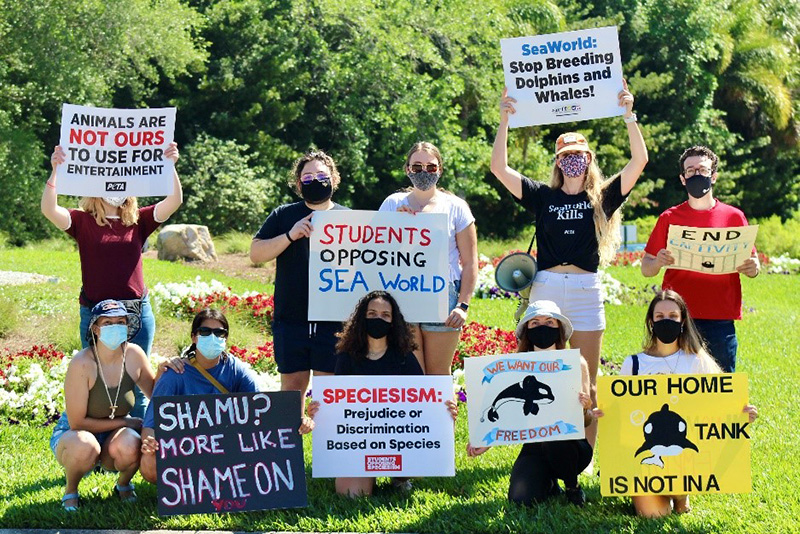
(115, 201)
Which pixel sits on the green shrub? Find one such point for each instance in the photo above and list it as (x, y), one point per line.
(233, 243)
(644, 227)
(776, 237)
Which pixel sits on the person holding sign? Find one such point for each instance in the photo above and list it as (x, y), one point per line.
(673, 345)
(206, 368)
(715, 300)
(113, 231)
(540, 465)
(577, 223)
(437, 341)
(97, 426)
(376, 340)
(300, 345)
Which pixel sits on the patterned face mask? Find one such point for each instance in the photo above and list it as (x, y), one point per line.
(423, 180)
(574, 164)
(115, 201)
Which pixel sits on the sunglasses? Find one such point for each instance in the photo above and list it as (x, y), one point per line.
(320, 177)
(207, 331)
(430, 167)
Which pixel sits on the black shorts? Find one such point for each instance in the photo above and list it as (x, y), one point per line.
(305, 346)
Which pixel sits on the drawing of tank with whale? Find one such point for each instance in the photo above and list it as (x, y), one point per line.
(664, 435)
(529, 391)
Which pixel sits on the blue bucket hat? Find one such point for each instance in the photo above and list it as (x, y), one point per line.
(109, 308)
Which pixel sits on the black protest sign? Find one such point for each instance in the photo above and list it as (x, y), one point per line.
(229, 453)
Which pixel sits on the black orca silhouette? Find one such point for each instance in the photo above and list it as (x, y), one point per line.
(708, 264)
(664, 435)
(530, 392)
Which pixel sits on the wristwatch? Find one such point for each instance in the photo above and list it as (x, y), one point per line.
(463, 305)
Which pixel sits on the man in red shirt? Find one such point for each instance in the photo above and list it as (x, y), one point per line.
(714, 300)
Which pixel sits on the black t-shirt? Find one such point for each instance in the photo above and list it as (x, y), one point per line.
(391, 363)
(565, 223)
(291, 266)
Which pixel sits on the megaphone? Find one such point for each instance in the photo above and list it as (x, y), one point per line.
(515, 273)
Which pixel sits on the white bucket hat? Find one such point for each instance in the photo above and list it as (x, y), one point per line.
(548, 308)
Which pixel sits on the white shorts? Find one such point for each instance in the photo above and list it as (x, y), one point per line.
(578, 296)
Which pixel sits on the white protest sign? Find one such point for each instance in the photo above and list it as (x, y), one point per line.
(355, 252)
(524, 397)
(710, 250)
(116, 152)
(371, 426)
(563, 77)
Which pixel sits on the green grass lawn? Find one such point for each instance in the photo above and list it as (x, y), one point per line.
(472, 501)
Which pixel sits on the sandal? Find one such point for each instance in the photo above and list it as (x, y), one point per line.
(70, 497)
(129, 488)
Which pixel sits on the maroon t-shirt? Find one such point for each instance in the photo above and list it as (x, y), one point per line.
(111, 256)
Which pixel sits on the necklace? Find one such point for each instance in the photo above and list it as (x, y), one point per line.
(673, 369)
(376, 354)
(111, 404)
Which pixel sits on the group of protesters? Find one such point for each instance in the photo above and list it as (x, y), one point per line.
(689, 324)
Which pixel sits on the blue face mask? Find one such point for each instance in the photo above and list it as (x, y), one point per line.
(210, 346)
(113, 335)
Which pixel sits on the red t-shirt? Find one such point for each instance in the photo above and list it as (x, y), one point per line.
(111, 256)
(708, 296)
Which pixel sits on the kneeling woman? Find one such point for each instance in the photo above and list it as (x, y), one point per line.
(207, 368)
(98, 390)
(673, 345)
(376, 340)
(540, 465)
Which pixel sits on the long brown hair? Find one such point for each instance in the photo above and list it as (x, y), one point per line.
(94, 206)
(606, 229)
(689, 341)
(353, 338)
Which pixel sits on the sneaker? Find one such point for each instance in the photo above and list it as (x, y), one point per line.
(576, 496)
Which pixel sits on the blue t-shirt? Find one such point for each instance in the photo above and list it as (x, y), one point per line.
(230, 372)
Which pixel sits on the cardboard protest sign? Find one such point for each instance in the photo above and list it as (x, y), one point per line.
(116, 152)
(524, 397)
(370, 426)
(355, 252)
(710, 250)
(563, 77)
(674, 434)
(229, 453)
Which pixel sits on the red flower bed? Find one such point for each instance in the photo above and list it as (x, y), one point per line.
(46, 355)
(481, 340)
(259, 306)
(262, 358)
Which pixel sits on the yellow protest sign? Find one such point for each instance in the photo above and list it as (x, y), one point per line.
(673, 434)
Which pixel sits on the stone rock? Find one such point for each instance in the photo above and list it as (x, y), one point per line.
(190, 242)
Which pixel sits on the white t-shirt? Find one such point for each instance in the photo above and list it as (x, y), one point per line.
(459, 217)
(679, 363)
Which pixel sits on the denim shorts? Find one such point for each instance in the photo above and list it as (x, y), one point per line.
(453, 289)
(578, 296)
(62, 426)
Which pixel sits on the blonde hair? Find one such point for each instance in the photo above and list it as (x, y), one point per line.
(94, 206)
(606, 229)
(424, 146)
(689, 340)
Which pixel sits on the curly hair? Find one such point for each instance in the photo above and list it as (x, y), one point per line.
(353, 337)
(699, 150)
(314, 155)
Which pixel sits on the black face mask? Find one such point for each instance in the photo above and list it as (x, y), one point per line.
(667, 330)
(698, 185)
(543, 336)
(377, 328)
(316, 192)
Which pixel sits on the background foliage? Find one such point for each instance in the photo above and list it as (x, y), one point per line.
(257, 82)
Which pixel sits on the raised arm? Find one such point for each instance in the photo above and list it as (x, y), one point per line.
(172, 202)
(631, 172)
(55, 214)
(511, 179)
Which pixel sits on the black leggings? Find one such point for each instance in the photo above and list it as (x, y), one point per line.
(539, 465)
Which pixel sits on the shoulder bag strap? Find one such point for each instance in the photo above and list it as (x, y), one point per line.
(214, 381)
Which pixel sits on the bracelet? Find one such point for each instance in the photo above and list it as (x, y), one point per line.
(630, 119)
(289, 237)
(48, 184)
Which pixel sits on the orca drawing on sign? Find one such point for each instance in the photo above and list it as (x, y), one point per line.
(664, 435)
(530, 392)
